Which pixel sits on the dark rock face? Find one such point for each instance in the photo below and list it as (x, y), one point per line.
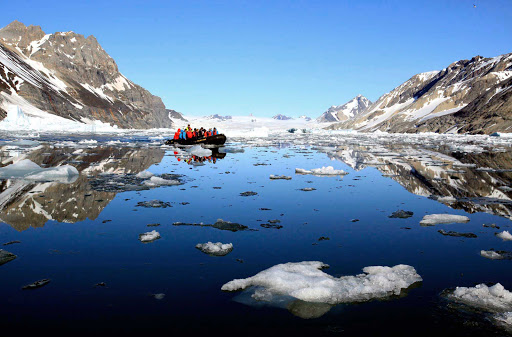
(72, 76)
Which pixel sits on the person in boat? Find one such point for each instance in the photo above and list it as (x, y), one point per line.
(189, 134)
(177, 134)
(215, 133)
(183, 134)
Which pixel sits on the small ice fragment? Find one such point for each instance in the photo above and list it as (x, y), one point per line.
(159, 296)
(144, 175)
(505, 236)
(149, 236)
(494, 298)
(216, 249)
(157, 181)
(36, 284)
(274, 177)
(434, 219)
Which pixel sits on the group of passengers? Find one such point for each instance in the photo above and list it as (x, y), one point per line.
(189, 133)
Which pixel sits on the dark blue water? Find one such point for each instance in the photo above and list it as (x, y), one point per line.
(77, 248)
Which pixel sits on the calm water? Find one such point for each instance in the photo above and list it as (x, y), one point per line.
(85, 231)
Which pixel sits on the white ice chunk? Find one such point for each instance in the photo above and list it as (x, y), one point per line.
(157, 181)
(504, 319)
(306, 281)
(144, 174)
(434, 219)
(198, 150)
(327, 171)
(505, 236)
(494, 298)
(149, 236)
(26, 169)
(491, 254)
(217, 249)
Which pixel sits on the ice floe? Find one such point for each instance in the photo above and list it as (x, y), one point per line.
(481, 296)
(275, 177)
(306, 281)
(434, 219)
(496, 254)
(323, 171)
(216, 249)
(28, 170)
(149, 236)
(505, 236)
(198, 150)
(158, 181)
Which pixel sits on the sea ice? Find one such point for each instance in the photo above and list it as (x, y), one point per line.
(157, 181)
(306, 281)
(149, 236)
(495, 298)
(434, 219)
(216, 249)
(198, 150)
(274, 177)
(26, 169)
(505, 236)
(144, 174)
(323, 171)
(496, 254)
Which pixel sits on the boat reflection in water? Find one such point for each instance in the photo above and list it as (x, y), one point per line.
(198, 160)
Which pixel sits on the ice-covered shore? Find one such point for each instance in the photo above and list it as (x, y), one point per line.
(306, 281)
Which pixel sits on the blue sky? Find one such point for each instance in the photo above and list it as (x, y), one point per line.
(269, 57)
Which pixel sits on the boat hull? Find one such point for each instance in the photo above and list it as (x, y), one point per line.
(212, 140)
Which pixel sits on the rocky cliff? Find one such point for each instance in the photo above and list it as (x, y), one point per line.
(467, 96)
(71, 76)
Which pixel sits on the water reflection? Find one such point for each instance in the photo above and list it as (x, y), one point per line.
(25, 204)
(474, 182)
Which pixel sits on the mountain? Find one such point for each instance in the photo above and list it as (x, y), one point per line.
(280, 117)
(351, 109)
(68, 75)
(473, 96)
(219, 117)
(306, 118)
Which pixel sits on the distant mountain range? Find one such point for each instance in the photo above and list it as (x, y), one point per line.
(280, 117)
(469, 96)
(71, 76)
(349, 110)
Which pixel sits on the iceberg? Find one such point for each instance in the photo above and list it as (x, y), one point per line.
(434, 219)
(307, 282)
(495, 298)
(215, 249)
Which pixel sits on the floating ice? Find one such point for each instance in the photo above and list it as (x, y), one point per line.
(6, 256)
(504, 319)
(217, 249)
(306, 281)
(198, 150)
(495, 298)
(323, 171)
(496, 254)
(26, 169)
(23, 143)
(434, 219)
(505, 236)
(149, 236)
(144, 174)
(274, 177)
(157, 181)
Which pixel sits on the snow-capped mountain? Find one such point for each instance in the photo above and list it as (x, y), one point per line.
(68, 75)
(467, 96)
(280, 117)
(306, 118)
(349, 110)
(218, 117)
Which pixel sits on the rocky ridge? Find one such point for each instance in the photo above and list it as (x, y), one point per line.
(468, 96)
(351, 109)
(71, 76)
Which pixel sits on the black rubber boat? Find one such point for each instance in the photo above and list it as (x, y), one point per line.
(219, 139)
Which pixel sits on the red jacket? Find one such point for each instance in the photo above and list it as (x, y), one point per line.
(189, 134)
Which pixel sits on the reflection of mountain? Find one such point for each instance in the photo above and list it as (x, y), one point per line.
(474, 182)
(28, 204)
